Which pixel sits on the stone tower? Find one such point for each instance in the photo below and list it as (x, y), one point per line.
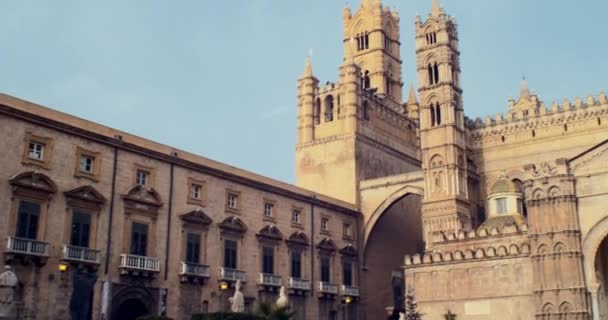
(446, 206)
(356, 128)
(555, 239)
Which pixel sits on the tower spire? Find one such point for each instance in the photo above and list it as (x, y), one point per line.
(412, 97)
(435, 9)
(524, 91)
(308, 68)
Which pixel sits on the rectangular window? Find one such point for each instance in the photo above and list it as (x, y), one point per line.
(347, 230)
(86, 164)
(230, 247)
(233, 201)
(501, 205)
(142, 177)
(139, 238)
(347, 272)
(196, 191)
(520, 206)
(268, 260)
(36, 151)
(296, 264)
(296, 216)
(81, 227)
(193, 247)
(325, 276)
(27, 220)
(324, 224)
(268, 210)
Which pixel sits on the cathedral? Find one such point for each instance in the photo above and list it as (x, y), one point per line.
(495, 218)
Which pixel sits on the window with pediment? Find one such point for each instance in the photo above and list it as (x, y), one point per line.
(31, 193)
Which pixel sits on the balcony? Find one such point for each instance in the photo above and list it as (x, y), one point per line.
(80, 254)
(270, 280)
(139, 265)
(227, 274)
(299, 284)
(28, 248)
(193, 272)
(349, 291)
(328, 288)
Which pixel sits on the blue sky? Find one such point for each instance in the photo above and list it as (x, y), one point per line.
(218, 78)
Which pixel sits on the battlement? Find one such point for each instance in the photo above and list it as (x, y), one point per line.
(464, 246)
(556, 109)
(538, 118)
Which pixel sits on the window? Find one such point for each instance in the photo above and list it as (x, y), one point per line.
(230, 247)
(387, 43)
(388, 85)
(347, 230)
(520, 206)
(501, 205)
(296, 216)
(193, 247)
(325, 274)
(433, 70)
(329, 108)
(139, 238)
(142, 177)
(233, 201)
(347, 271)
(324, 224)
(86, 164)
(81, 228)
(268, 260)
(268, 210)
(296, 264)
(317, 111)
(362, 41)
(431, 38)
(366, 80)
(196, 191)
(435, 115)
(36, 151)
(27, 220)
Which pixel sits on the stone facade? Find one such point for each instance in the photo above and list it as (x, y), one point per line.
(104, 279)
(501, 218)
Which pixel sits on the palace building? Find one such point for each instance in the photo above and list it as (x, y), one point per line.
(496, 218)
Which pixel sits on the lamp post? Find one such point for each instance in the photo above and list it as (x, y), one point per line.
(347, 301)
(223, 287)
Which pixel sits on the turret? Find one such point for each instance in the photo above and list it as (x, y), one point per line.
(412, 109)
(307, 86)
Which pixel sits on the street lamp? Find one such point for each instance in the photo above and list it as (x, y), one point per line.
(223, 287)
(63, 267)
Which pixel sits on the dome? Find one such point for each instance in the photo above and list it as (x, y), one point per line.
(504, 185)
(500, 222)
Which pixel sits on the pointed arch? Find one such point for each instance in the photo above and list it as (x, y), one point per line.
(329, 108)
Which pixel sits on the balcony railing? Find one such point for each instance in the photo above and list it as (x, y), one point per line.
(141, 263)
(80, 254)
(27, 247)
(232, 274)
(195, 270)
(326, 287)
(299, 284)
(267, 279)
(349, 291)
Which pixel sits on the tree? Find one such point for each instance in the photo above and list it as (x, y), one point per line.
(411, 307)
(273, 312)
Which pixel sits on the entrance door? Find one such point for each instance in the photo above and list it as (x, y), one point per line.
(131, 310)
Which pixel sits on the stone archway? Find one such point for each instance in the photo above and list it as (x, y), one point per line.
(595, 253)
(131, 302)
(393, 230)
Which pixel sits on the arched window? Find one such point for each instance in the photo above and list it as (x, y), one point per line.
(387, 43)
(316, 114)
(365, 110)
(431, 75)
(366, 80)
(388, 84)
(438, 114)
(433, 120)
(435, 114)
(431, 38)
(329, 108)
(436, 72)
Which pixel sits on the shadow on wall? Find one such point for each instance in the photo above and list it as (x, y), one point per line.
(398, 232)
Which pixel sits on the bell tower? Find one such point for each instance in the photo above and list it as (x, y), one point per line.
(374, 31)
(446, 206)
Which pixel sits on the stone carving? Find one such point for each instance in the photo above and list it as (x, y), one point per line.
(283, 300)
(237, 301)
(8, 297)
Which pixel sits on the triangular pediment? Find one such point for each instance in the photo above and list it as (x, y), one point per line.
(270, 232)
(144, 196)
(349, 250)
(86, 193)
(298, 238)
(34, 184)
(196, 217)
(326, 245)
(233, 224)
(591, 161)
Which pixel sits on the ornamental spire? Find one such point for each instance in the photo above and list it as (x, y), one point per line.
(412, 97)
(308, 68)
(524, 91)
